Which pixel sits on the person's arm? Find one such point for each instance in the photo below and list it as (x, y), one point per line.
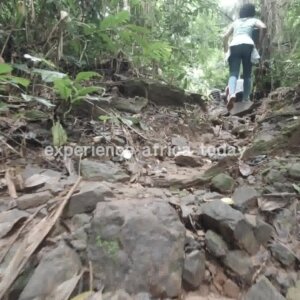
(262, 31)
(226, 37)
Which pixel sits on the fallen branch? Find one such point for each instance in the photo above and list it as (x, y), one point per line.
(31, 243)
(283, 114)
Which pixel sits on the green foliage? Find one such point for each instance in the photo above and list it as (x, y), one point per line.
(111, 248)
(6, 78)
(59, 135)
(73, 91)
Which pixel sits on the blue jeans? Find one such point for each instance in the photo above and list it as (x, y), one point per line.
(240, 54)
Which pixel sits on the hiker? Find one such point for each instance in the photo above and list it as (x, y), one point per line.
(242, 49)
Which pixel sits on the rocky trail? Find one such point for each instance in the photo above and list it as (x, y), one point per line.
(190, 203)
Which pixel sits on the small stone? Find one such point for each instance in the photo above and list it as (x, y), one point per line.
(283, 254)
(263, 290)
(294, 292)
(33, 200)
(188, 160)
(245, 197)
(194, 269)
(294, 171)
(80, 220)
(86, 200)
(142, 296)
(103, 171)
(263, 232)
(240, 263)
(231, 289)
(223, 183)
(215, 244)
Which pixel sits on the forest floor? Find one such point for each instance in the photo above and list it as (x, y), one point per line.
(173, 202)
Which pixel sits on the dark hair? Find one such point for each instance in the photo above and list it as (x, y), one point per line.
(247, 11)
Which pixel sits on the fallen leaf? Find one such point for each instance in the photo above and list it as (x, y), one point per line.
(64, 290)
(10, 184)
(83, 296)
(228, 201)
(245, 169)
(271, 205)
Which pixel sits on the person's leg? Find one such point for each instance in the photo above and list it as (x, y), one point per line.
(234, 69)
(247, 70)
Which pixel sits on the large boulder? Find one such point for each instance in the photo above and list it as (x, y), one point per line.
(137, 246)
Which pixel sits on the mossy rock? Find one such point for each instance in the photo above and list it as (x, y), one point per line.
(223, 183)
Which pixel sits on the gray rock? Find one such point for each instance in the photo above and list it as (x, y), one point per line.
(240, 263)
(86, 200)
(106, 171)
(245, 197)
(137, 246)
(283, 254)
(80, 220)
(294, 292)
(223, 183)
(230, 223)
(263, 290)
(56, 267)
(194, 269)
(215, 244)
(294, 171)
(273, 176)
(185, 160)
(263, 232)
(8, 219)
(33, 200)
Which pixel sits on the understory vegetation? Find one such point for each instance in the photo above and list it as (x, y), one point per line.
(174, 41)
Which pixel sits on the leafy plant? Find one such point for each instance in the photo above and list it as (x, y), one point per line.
(6, 78)
(73, 91)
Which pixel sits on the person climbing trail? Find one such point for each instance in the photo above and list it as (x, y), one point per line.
(242, 49)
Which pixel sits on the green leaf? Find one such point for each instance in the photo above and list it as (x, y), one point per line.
(105, 118)
(5, 68)
(59, 135)
(86, 76)
(20, 81)
(63, 88)
(49, 76)
(3, 107)
(43, 101)
(88, 90)
(114, 21)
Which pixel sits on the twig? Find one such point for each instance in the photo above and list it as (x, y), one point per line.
(5, 44)
(91, 275)
(281, 195)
